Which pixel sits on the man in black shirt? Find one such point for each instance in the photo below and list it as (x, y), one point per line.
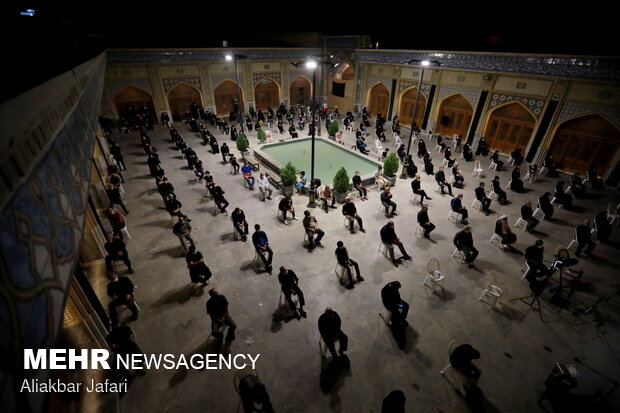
(261, 244)
(342, 255)
(464, 241)
(217, 308)
(461, 359)
(116, 250)
(350, 212)
(114, 196)
(497, 188)
(115, 151)
(416, 187)
(165, 188)
(386, 200)
(534, 259)
(120, 290)
(357, 185)
(241, 225)
(425, 222)
(481, 196)
(289, 284)
(173, 206)
(198, 270)
(389, 238)
(394, 304)
(225, 151)
(440, 178)
(286, 205)
(528, 215)
(218, 198)
(584, 232)
(329, 328)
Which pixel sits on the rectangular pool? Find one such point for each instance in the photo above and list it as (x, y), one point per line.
(328, 158)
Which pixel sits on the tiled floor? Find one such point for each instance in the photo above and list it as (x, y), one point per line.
(518, 351)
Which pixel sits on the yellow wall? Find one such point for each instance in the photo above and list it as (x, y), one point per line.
(266, 67)
(463, 79)
(413, 73)
(523, 86)
(179, 70)
(125, 72)
(604, 94)
(346, 102)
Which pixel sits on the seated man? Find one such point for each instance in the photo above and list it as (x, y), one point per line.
(311, 226)
(246, 170)
(497, 188)
(390, 296)
(545, 205)
(502, 228)
(464, 241)
(459, 179)
(254, 396)
(584, 239)
(603, 226)
(534, 259)
(461, 359)
(576, 185)
(289, 283)
(425, 222)
(330, 330)
(517, 156)
(561, 197)
(327, 196)
(240, 224)
(173, 206)
(528, 214)
(386, 201)
(116, 249)
(495, 159)
(389, 238)
(440, 177)
(286, 205)
(457, 206)
(261, 244)
(198, 270)
(481, 196)
(379, 178)
(218, 198)
(342, 255)
(217, 308)
(361, 146)
(233, 162)
(416, 187)
(301, 184)
(183, 230)
(120, 290)
(357, 185)
(350, 212)
(264, 187)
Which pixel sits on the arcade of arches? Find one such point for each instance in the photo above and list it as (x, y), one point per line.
(407, 105)
(583, 142)
(132, 96)
(379, 99)
(454, 116)
(300, 91)
(509, 127)
(266, 94)
(181, 97)
(225, 94)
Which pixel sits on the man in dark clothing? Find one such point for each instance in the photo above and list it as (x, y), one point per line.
(464, 241)
(389, 238)
(425, 222)
(394, 402)
(217, 308)
(329, 328)
(457, 206)
(261, 243)
(350, 212)
(183, 230)
(386, 201)
(311, 226)
(461, 359)
(198, 270)
(114, 196)
(120, 290)
(481, 196)
(528, 215)
(394, 304)
(584, 239)
(342, 255)
(357, 185)
(286, 205)
(165, 188)
(218, 198)
(123, 342)
(254, 396)
(117, 221)
(116, 250)
(534, 259)
(416, 187)
(440, 177)
(497, 188)
(241, 225)
(225, 150)
(289, 284)
(115, 151)
(173, 206)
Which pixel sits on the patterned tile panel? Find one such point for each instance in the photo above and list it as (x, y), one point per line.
(406, 84)
(170, 82)
(257, 77)
(535, 105)
(200, 55)
(570, 110)
(470, 94)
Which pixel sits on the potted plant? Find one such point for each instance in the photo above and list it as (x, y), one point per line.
(390, 167)
(341, 185)
(332, 130)
(288, 176)
(243, 144)
(261, 135)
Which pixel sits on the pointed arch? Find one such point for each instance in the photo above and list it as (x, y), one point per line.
(407, 105)
(509, 126)
(584, 141)
(378, 99)
(225, 94)
(300, 90)
(181, 96)
(132, 97)
(454, 115)
(344, 72)
(266, 93)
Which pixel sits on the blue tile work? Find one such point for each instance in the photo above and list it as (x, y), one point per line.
(472, 95)
(170, 82)
(40, 234)
(257, 77)
(571, 110)
(199, 55)
(603, 68)
(406, 84)
(535, 105)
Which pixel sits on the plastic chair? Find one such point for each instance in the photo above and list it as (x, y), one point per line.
(613, 216)
(493, 166)
(525, 269)
(558, 206)
(530, 177)
(508, 184)
(460, 255)
(419, 231)
(573, 243)
(278, 212)
(413, 198)
(454, 216)
(444, 163)
(491, 290)
(236, 235)
(496, 238)
(346, 223)
(511, 160)
(435, 277)
(521, 224)
(477, 204)
(384, 249)
(386, 316)
(538, 214)
(493, 195)
(454, 377)
(477, 169)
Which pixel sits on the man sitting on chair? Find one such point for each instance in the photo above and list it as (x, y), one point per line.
(327, 196)
(246, 169)
(457, 206)
(311, 226)
(286, 205)
(357, 185)
(342, 255)
(417, 190)
(502, 228)
(425, 222)
(399, 308)
(389, 238)
(386, 201)
(379, 178)
(440, 177)
(329, 328)
(350, 213)
(534, 259)
(464, 241)
(584, 239)
(481, 196)
(528, 215)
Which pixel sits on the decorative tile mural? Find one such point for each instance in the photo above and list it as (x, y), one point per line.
(406, 84)
(257, 77)
(170, 82)
(115, 85)
(535, 105)
(470, 94)
(570, 110)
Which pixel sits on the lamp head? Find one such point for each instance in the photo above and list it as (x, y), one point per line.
(311, 64)
(228, 57)
(425, 63)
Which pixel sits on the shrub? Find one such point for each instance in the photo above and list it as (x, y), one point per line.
(242, 142)
(341, 181)
(332, 130)
(288, 174)
(390, 165)
(260, 134)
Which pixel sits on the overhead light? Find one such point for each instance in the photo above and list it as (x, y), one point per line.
(27, 12)
(229, 57)
(425, 63)
(311, 64)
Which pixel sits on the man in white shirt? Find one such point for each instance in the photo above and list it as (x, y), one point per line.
(263, 186)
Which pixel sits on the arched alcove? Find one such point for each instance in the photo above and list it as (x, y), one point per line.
(408, 105)
(300, 91)
(181, 97)
(132, 97)
(509, 127)
(378, 99)
(225, 94)
(266, 94)
(455, 113)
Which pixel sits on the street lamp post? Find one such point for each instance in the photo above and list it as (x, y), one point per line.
(423, 63)
(234, 57)
(311, 64)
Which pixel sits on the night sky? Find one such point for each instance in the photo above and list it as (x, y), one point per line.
(58, 38)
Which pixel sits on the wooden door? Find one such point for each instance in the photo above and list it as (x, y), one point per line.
(132, 97)
(181, 97)
(266, 94)
(379, 99)
(225, 94)
(300, 91)
(455, 115)
(509, 127)
(408, 105)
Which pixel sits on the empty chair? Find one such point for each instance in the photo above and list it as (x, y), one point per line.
(477, 169)
(491, 290)
(434, 278)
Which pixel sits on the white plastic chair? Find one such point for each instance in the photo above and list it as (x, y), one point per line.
(521, 224)
(508, 184)
(525, 269)
(573, 243)
(493, 166)
(454, 377)
(530, 177)
(458, 254)
(491, 290)
(419, 231)
(384, 249)
(496, 238)
(435, 277)
(444, 163)
(413, 198)
(477, 169)
(538, 214)
(511, 160)
(454, 217)
(477, 204)
(613, 216)
(278, 212)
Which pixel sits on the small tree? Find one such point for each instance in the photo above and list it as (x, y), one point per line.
(242, 142)
(288, 174)
(341, 181)
(390, 165)
(333, 129)
(260, 134)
